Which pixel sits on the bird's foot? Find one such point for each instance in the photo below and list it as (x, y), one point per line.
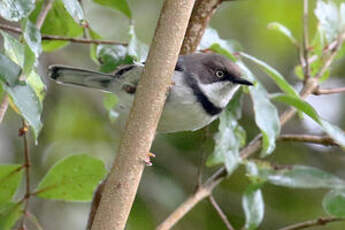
(147, 159)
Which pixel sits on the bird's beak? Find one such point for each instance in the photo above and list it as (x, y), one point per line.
(242, 81)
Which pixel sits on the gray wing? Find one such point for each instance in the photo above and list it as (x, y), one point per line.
(125, 77)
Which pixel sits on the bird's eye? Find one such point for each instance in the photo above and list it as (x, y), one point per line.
(219, 73)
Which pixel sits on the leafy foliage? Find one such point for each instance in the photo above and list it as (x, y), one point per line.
(26, 96)
(336, 133)
(334, 203)
(230, 137)
(283, 30)
(16, 10)
(10, 177)
(111, 56)
(57, 22)
(9, 70)
(297, 176)
(252, 201)
(73, 178)
(9, 214)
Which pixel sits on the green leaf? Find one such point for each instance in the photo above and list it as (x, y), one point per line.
(9, 71)
(254, 207)
(32, 37)
(266, 114)
(334, 203)
(220, 50)
(10, 178)
(276, 26)
(15, 10)
(110, 101)
(27, 104)
(10, 214)
(229, 138)
(136, 49)
(329, 19)
(35, 81)
(29, 60)
(212, 41)
(93, 47)
(274, 74)
(16, 51)
(299, 176)
(120, 5)
(73, 178)
(58, 22)
(334, 132)
(111, 56)
(13, 49)
(74, 9)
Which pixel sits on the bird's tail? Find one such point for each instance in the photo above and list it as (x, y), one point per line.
(80, 77)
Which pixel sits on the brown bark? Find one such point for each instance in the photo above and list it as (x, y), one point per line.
(201, 15)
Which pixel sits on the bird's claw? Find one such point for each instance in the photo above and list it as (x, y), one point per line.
(147, 159)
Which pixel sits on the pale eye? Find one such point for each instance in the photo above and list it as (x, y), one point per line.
(219, 73)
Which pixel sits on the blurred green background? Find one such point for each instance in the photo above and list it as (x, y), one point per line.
(75, 121)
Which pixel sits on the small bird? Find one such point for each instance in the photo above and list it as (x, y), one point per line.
(202, 86)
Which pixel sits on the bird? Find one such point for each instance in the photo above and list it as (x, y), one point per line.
(202, 86)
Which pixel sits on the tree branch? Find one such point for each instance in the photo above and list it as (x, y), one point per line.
(311, 223)
(201, 15)
(61, 38)
(323, 140)
(329, 91)
(123, 180)
(220, 213)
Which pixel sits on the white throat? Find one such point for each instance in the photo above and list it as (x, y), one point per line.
(219, 93)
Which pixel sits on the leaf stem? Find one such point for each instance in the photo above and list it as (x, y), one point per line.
(306, 69)
(323, 140)
(27, 165)
(311, 223)
(220, 212)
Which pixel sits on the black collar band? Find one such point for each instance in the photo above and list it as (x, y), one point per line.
(207, 105)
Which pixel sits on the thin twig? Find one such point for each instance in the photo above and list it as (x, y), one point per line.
(82, 40)
(311, 223)
(27, 165)
(220, 212)
(322, 140)
(329, 91)
(61, 38)
(306, 69)
(47, 5)
(331, 57)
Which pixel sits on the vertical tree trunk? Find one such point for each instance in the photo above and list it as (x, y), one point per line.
(122, 183)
